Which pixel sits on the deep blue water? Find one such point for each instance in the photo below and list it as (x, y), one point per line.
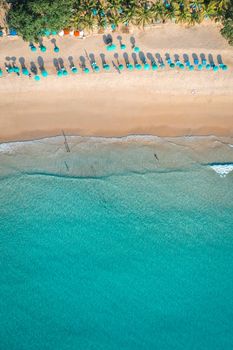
(136, 260)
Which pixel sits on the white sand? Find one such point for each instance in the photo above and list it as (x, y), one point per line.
(165, 103)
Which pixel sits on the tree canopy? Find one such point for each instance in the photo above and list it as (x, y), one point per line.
(31, 17)
(227, 30)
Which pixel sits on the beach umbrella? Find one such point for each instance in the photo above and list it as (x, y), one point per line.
(172, 65)
(113, 26)
(54, 32)
(146, 66)
(196, 61)
(16, 69)
(74, 70)
(191, 67)
(111, 47)
(106, 66)
(200, 67)
(25, 71)
(56, 49)
(181, 66)
(44, 73)
(204, 62)
(154, 66)
(37, 77)
(43, 48)
(86, 70)
(208, 66)
(215, 68)
(96, 69)
(94, 11)
(138, 66)
(187, 63)
(162, 65)
(47, 32)
(169, 61)
(11, 70)
(121, 67)
(123, 46)
(136, 49)
(64, 72)
(0, 72)
(59, 73)
(33, 48)
(178, 63)
(224, 67)
(130, 66)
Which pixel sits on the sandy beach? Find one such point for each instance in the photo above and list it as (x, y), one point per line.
(164, 103)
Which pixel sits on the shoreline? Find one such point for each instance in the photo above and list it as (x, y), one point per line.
(96, 157)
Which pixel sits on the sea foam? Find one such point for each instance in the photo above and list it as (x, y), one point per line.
(222, 169)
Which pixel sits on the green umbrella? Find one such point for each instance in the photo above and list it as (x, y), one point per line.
(54, 32)
(123, 46)
(146, 66)
(215, 68)
(64, 72)
(181, 66)
(200, 67)
(130, 66)
(44, 73)
(25, 71)
(96, 69)
(154, 66)
(224, 67)
(59, 73)
(138, 66)
(191, 67)
(33, 48)
(37, 77)
(16, 69)
(172, 65)
(74, 70)
(56, 49)
(111, 47)
(11, 70)
(47, 32)
(106, 66)
(86, 70)
(208, 66)
(136, 49)
(0, 72)
(43, 48)
(121, 66)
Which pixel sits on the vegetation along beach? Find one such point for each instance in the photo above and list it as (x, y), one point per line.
(116, 174)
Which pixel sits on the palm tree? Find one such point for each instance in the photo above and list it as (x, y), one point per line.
(158, 11)
(182, 12)
(227, 30)
(143, 14)
(128, 11)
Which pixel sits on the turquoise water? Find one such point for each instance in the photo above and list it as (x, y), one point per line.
(107, 247)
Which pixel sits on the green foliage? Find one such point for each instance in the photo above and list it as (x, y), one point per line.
(31, 17)
(227, 30)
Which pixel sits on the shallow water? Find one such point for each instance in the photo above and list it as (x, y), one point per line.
(111, 247)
